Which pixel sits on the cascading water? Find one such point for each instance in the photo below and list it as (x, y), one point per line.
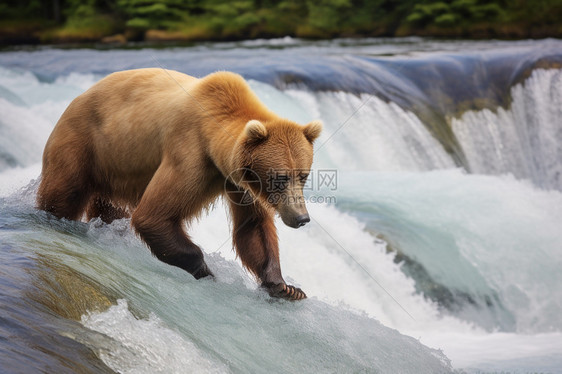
(445, 224)
(524, 140)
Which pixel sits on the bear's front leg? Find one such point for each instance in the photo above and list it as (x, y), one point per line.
(170, 244)
(159, 216)
(255, 239)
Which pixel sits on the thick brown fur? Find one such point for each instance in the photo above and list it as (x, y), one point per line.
(164, 145)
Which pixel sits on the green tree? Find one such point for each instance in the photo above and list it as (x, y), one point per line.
(446, 13)
(157, 14)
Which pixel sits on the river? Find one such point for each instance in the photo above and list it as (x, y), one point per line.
(435, 241)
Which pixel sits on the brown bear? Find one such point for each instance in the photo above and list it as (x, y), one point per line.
(163, 146)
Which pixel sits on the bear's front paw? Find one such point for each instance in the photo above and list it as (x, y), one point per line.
(203, 272)
(285, 291)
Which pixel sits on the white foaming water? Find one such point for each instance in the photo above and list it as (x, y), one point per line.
(518, 260)
(361, 132)
(22, 135)
(146, 345)
(32, 91)
(13, 179)
(30, 109)
(525, 140)
(493, 236)
(488, 234)
(318, 257)
(227, 322)
(365, 133)
(494, 226)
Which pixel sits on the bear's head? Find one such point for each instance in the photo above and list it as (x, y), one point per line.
(275, 158)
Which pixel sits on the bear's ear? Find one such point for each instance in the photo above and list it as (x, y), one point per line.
(313, 130)
(255, 130)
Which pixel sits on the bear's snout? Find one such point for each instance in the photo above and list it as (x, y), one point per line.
(294, 220)
(302, 220)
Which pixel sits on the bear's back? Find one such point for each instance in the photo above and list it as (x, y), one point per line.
(126, 121)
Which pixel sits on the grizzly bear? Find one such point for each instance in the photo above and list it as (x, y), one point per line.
(161, 146)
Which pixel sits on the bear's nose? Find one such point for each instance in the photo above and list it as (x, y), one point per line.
(302, 220)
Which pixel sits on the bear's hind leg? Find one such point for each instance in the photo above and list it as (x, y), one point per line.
(105, 209)
(66, 180)
(255, 239)
(62, 194)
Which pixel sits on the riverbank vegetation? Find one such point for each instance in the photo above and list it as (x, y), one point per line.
(119, 21)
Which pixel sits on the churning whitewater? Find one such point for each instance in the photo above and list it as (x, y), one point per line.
(434, 243)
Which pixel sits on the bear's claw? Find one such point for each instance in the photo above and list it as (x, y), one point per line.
(285, 291)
